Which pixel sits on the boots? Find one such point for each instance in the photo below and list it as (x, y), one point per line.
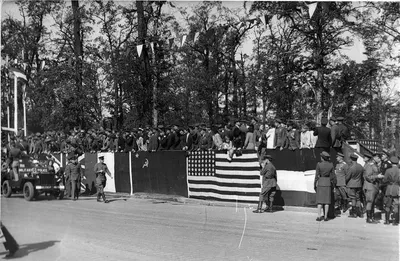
(259, 210)
(353, 212)
(396, 219)
(360, 212)
(104, 198)
(270, 210)
(345, 206)
(387, 213)
(370, 219)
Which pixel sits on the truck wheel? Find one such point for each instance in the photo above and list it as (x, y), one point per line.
(7, 189)
(29, 191)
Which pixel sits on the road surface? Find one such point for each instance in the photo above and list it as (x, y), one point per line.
(144, 229)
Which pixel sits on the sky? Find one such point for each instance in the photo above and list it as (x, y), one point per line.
(354, 52)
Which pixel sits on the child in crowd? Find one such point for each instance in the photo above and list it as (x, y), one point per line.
(227, 145)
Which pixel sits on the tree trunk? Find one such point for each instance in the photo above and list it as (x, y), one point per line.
(78, 51)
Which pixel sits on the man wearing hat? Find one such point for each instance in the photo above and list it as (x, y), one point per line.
(269, 181)
(354, 184)
(340, 189)
(73, 173)
(341, 135)
(371, 184)
(101, 170)
(392, 179)
(324, 140)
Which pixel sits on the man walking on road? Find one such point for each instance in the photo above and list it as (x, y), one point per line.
(269, 181)
(101, 170)
(73, 173)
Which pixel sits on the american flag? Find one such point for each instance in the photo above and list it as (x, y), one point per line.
(212, 176)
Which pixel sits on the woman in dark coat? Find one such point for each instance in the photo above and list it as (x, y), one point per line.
(324, 182)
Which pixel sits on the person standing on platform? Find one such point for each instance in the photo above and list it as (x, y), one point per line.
(73, 171)
(371, 186)
(269, 181)
(340, 189)
(324, 182)
(354, 184)
(101, 170)
(324, 140)
(14, 155)
(392, 179)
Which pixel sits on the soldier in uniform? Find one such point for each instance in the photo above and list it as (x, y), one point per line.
(392, 179)
(371, 186)
(340, 189)
(354, 184)
(73, 173)
(101, 170)
(269, 181)
(15, 155)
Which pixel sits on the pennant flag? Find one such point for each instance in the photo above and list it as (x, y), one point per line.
(263, 20)
(139, 49)
(42, 64)
(196, 36)
(18, 73)
(183, 39)
(311, 9)
(152, 46)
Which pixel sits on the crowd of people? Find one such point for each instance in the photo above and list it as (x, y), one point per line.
(233, 137)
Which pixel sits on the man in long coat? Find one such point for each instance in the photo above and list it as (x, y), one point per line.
(73, 172)
(269, 182)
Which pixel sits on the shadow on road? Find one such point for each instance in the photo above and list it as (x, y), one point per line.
(26, 249)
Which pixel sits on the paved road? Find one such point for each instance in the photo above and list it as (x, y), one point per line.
(143, 229)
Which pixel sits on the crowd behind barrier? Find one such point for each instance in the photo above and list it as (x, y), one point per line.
(234, 137)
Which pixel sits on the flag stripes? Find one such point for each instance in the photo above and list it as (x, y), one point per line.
(238, 180)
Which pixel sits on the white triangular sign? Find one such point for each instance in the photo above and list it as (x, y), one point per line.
(311, 9)
(196, 35)
(152, 46)
(183, 39)
(42, 65)
(263, 20)
(139, 49)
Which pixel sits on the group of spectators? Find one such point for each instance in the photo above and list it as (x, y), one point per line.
(233, 137)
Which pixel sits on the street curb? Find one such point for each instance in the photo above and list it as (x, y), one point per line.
(192, 201)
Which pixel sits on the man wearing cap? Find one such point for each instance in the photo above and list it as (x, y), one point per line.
(14, 155)
(392, 179)
(101, 170)
(73, 173)
(340, 189)
(293, 136)
(324, 140)
(371, 185)
(269, 181)
(354, 184)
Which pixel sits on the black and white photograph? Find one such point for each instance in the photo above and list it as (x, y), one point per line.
(200, 130)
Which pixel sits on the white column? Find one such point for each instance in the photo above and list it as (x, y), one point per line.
(130, 171)
(23, 102)
(16, 104)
